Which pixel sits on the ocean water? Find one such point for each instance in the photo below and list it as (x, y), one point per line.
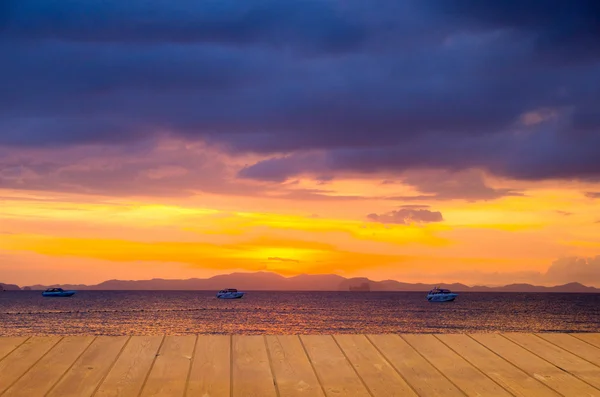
(187, 312)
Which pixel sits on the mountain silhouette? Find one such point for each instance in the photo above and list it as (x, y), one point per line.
(265, 281)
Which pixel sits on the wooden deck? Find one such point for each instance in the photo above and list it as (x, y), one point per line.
(314, 365)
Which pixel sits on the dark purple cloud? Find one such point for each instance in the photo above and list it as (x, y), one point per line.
(558, 28)
(406, 216)
(322, 86)
(466, 185)
(325, 26)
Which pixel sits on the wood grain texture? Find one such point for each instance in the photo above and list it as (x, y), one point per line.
(505, 374)
(550, 375)
(48, 371)
(468, 378)
(82, 379)
(334, 371)
(168, 376)
(377, 373)
(573, 345)
(251, 370)
(21, 359)
(8, 344)
(424, 365)
(592, 339)
(210, 375)
(425, 379)
(559, 357)
(292, 369)
(129, 372)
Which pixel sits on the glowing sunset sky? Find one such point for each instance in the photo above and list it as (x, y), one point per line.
(419, 140)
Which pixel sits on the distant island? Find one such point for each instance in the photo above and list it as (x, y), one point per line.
(363, 287)
(265, 281)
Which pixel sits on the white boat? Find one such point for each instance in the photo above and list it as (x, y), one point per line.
(441, 295)
(229, 293)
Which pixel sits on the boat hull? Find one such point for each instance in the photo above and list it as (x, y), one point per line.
(441, 297)
(64, 294)
(231, 295)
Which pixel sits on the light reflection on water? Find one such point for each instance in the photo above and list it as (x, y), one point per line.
(186, 312)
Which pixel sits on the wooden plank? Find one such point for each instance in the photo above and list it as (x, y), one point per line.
(292, 370)
(129, 372)
(43, 375)
(378, 374)
(424, 378)
(90, 368)
(507, 375)
(251, 370)
(210, 375)
(561, 358)
(168, 375)
(592, 339)
(468, 378)
(13, 366)
(8, 344)
(575, 346)
(555, 378)
(335, 373)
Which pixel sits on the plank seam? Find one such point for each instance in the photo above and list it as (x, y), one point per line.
(564, 348)
(277, 393)
(15, 348)
(110, 367)
(70, 366)
(32, 365)
(158, 352)
(231, 366)
(312, 365)
(554, 365)
(433, 366)
(474, 366)
(583, 340)
(392, 365)
(189, 374)
(352, 366)
(515, 365)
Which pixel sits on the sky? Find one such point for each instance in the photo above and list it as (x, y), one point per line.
(417, 140)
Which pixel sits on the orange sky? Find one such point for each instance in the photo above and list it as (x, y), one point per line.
(430, 141)
(304, 225)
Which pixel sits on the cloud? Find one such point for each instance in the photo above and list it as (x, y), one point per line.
(275, 258)
(469, 184)
(466, 185)
(565, 213)
(584, 270)
(324, 25)
(163, 167)
(574, 269)
(317, 86)
(407, 216)
(557, 28)
(592, 195)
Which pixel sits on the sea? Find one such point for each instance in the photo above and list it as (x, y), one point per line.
(27, 313)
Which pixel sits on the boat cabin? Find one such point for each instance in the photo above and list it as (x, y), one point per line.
(54, 290)
(224, 291)
(436, 291)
